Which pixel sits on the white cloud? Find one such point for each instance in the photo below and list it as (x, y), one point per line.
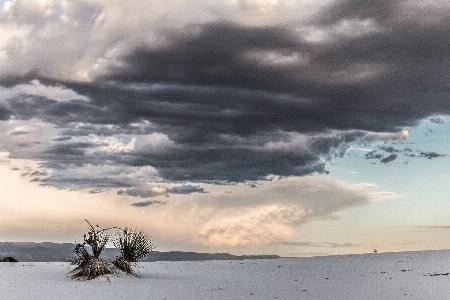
(384, 136)
(12, 40)
(6, 5)
(35, 88)
(4, 155)
(356, 28)
(259, 6)
(116, 144)
(272, 212)
(358, 72)
(256, 225)
(295, 142)
(151, 143)
(79, 40)
(273, 58)
(350, 28)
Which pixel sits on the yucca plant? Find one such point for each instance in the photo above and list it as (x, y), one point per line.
(132, 245)
(90, 265)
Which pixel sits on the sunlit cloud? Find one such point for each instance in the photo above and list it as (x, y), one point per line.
(36, 89)
(271, 213)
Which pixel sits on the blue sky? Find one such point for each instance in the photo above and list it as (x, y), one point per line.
(248, 126)
(411, 220)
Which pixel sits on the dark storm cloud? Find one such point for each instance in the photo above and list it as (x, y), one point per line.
(223, 140)
(62, 139)
(70, 149)
(239, 102)
(5, 113)
(149, 191)
(26, 107)
(377, 81)
(233, 161)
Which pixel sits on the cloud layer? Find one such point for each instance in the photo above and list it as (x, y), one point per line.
(268, 214)
(214, 91)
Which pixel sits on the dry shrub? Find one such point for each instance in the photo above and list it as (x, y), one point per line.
(8, 259)
(90, 265)
(91, 269)
(124, 265)
(132, 245)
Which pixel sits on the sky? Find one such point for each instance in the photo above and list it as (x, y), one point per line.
(295, 128)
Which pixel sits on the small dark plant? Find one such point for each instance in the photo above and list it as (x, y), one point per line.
(132, 245)
(90, 265)
(8, 259)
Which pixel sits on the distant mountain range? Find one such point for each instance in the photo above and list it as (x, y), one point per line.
(46, 252)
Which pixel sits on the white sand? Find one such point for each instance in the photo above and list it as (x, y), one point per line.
(371, 276)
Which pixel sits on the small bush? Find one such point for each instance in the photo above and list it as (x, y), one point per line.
(132, 245)
(91, 269)
(8, 259)
(90, 265)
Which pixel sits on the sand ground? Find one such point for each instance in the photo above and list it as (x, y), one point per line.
(407, 275)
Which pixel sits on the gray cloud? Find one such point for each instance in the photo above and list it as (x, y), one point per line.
(430, 155)
(225, 102)
(149, 203)
(388, 159)
(340, 80)
(153, 191)
(62, 139)
(436, 120)
(435, 227)
(383, 149)
(18, 133)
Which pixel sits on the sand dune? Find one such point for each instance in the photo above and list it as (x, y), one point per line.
(406, 275)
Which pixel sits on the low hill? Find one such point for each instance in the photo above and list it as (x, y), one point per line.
(46, 252)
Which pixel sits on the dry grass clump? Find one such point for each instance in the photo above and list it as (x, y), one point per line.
(91, 269)
(90, 265)
(132, 245)
(124, 265)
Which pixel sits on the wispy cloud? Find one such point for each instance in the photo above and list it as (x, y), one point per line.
(435, 227)
(36, 89)
(152, 191)
(388, 152)
(149, 202)
(322, 245)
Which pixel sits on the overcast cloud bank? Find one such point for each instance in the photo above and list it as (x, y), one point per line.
(208, 97)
